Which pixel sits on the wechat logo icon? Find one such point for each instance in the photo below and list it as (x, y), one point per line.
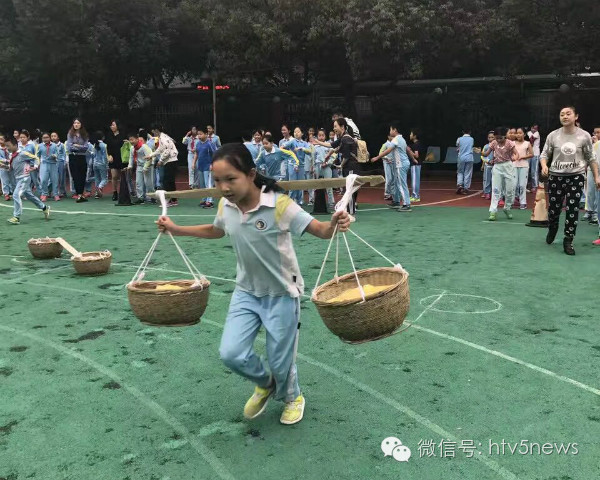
(392, 447)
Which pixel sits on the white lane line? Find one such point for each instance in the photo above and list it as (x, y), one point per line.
(81, 212)
(421, 204)
(491, 464)
(150, 404)
(498, 354)
(412, 325)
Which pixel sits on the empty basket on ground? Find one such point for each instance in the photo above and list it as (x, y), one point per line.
(173, 303)
(92, 263)
(44, 248)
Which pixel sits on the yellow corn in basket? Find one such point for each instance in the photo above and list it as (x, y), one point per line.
(44, 248)
(380, 314)
(173, 303)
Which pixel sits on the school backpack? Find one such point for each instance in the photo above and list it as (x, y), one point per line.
(362, 153)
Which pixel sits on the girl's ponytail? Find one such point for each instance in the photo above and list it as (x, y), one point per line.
(269, 183)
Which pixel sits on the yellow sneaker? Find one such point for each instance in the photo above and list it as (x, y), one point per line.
(293, 411)
(257, 403)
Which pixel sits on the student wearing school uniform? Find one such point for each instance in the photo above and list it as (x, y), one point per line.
(166, 152)
(487, 166)
(324, 164)
(61, 168)
(48, 153)
(415, 170)
(534, 164)
(203, 164)
(255, 145)
(522, 168)
(29, 147)
(144, 170)
(272, 161)
(260, 221)
(213, 137)
(464, 169)
(158, 171)
(189, 141)
(100, 162)
(401, 163)
(5, 175)
(21, 163)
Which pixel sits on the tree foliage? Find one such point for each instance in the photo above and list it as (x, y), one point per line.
(102, 52)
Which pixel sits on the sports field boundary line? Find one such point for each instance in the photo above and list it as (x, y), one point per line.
(150, 404)
(509, 358)
(206, 453)
(462, 341)
(421, 204)
(424, 421)
(82, 212)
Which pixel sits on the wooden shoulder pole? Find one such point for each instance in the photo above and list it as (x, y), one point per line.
(286, 185)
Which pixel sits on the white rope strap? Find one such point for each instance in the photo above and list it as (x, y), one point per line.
(351, 187)
(141, 271)
(325, 259)
(360, 288)
(396, 265)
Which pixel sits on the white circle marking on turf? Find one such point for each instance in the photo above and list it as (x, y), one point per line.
(433, 308)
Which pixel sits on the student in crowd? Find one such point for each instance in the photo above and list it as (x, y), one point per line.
(534, 164)
(212, 136)
(29, 147)
(504, 176)
(487, 166)
(203, 156)
(522, 168)
(5, 174)
(255, 145)
(324, 164)
(140, 159)
(464, 169)
(61, 164)
(166, 152)
(591, 194)
(274, 162)
(22, 162)
(415, 170)
(48, 153)
(100, 162)
(190, 139)
(400, 166)
(566, 156)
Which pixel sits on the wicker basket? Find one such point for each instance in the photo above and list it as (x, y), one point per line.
(168, 308)
(44, 248)
(379, 316)
(92, 263)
